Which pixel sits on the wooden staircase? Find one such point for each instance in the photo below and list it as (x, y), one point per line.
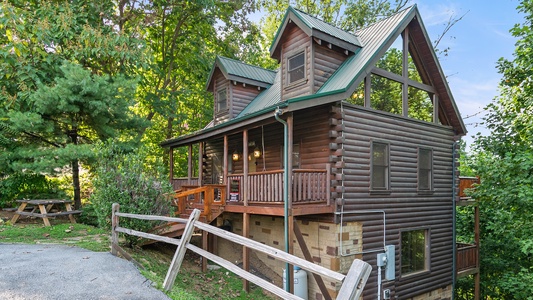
(209, 199)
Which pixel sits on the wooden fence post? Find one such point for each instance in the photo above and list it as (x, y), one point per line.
(114, 224)
(180, 251)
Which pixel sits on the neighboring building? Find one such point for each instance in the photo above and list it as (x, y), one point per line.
(371, 126)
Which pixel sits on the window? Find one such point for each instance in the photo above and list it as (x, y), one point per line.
(296, 70)
(380, 166)
(414, 251)
(222, 102)
(425, 169)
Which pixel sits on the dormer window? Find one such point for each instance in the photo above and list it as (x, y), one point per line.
(222, 100)
(296, 70)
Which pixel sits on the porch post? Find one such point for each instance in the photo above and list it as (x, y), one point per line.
(171, 167)
(245, 216)
(189, 165)
(200, 163)
(225, 162)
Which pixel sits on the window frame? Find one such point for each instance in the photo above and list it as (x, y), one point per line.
(226, 106)
(290, 56)
(386, 173)
(420, 168)
(427, 253)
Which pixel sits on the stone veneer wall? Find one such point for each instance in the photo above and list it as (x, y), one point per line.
(444, 293)
(323, 240)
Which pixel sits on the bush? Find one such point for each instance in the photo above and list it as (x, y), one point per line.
(123, 178)
(28, 186)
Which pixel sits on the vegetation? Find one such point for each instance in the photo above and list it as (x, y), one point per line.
(504, 162)
(122, 178)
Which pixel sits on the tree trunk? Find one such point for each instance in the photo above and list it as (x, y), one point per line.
(75, 172)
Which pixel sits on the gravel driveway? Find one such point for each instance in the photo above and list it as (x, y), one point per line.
(59, 272)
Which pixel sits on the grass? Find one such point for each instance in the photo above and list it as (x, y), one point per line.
(191, 283)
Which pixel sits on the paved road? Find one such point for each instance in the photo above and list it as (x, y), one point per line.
(57, 272)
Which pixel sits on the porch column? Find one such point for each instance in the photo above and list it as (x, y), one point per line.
(200, 163)
(245, 216)
(171, 167)
(189, 165)
(225, 162)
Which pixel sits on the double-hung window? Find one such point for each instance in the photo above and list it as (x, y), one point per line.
(296, 67)
(222, 100)
(425, 169)
(380, 166)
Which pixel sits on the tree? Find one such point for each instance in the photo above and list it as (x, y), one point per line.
(504, 162)
(66, 81)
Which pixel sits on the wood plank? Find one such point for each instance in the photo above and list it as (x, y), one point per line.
(42, 208)
(180, 251)
(352, 286)
(40, 215)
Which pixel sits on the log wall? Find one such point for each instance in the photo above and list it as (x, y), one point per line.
(326, 62)
(405, 207)
(293, 42)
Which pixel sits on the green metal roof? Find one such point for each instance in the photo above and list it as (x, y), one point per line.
(376, 39)
(242, 72)
(267, 98)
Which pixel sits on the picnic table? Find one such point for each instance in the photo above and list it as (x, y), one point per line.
(45, 206)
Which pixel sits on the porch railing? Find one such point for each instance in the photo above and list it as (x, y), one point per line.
(467, 257)
(267, 187)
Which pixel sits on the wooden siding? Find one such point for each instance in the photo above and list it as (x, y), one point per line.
(326, 62)
(405, 207)
(293, 42)
(242, 95)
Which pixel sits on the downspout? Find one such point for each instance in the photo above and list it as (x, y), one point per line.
(454, 237)
(278, 113)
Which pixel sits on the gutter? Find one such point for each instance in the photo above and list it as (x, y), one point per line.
(454, 235)
(277, 113)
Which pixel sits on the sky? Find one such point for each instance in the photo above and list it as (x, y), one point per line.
(476, 43)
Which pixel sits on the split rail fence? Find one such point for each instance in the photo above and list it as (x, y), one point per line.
(352, 286)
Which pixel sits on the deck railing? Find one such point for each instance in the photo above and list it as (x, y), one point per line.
(467, 257)
(267, 187)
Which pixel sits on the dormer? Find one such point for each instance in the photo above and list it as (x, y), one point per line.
(309, 52)
(234, 85)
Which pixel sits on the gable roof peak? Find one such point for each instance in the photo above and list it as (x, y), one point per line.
(314, 27)
(239, 71)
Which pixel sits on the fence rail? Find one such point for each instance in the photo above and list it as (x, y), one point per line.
(352, 286)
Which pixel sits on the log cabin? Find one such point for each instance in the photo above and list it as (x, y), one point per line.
(346, 151)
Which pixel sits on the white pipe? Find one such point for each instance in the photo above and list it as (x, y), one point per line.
(379, 283)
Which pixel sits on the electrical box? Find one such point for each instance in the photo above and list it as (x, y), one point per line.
(390, 266)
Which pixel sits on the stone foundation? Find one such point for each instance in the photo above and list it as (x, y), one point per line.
(438, 294)
(331, 245)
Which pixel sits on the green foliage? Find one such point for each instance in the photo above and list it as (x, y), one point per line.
(28, 186)
(504, 162)
(123, 178)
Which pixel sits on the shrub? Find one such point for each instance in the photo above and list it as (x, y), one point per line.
(28, 186)
(123, 178)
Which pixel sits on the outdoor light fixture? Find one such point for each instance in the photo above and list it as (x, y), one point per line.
(257, 152)
(235, 156)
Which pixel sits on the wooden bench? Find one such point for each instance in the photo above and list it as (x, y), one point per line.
(44, 207)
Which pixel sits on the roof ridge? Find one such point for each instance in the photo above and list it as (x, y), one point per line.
(384, 19)
(316, 18)
(246, 64)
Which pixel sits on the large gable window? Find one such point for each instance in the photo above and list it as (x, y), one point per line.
(222, 100)
(296, 67)
(380, 166)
